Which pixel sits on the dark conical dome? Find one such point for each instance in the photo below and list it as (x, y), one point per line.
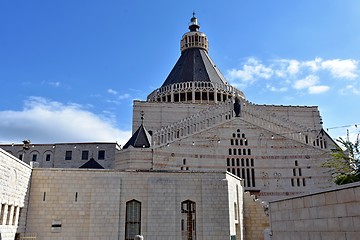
(193, 65)
(194, 78)
(140, 139)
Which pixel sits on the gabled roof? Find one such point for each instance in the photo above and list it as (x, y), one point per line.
(194, 64)
(140, 139)
(92, 164)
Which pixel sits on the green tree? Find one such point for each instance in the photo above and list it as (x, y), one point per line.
(345, 161)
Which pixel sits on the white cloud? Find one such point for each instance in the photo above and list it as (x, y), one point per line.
(252, 70)
(307, 82)
(54, 84)
(275, 89)
(51, 83)
(44, 121)
(313, 76)
(124, 96)
(350, 88)
(294, 67)
(312, 65)
(111, 91)
(341, 68)
(318, 89)
(283, 68)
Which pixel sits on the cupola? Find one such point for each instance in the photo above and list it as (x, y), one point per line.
(194, 38)
(195, 78)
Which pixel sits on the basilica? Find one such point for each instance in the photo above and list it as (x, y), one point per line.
(202, 159)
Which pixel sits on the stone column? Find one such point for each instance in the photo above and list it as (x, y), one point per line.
(4, 214)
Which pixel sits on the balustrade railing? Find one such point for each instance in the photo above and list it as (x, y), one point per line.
(222, 112)
(194, 86)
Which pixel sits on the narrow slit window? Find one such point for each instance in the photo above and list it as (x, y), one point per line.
(133, 219)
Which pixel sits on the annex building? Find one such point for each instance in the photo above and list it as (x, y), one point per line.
(198, 144)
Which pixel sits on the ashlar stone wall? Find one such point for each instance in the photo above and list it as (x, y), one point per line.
(328, 214)
(255, 217)
(14, 186)
(91, 204)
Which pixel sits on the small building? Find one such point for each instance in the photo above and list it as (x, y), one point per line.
(64, 155)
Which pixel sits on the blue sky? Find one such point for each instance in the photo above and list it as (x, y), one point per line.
(70, 70)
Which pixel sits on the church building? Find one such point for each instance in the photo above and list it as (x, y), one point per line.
(197, 121)
(198, 145)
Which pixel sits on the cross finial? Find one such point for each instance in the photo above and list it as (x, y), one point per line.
(193, 14)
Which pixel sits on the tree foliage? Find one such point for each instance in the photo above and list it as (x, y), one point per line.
(345, 161)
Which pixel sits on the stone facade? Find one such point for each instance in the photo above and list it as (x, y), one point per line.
(91, 204)
(14, 187)
(65, 155)
(256, 217)
(328, 214)
(274, 155)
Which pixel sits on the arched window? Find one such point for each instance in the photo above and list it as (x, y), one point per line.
(188, 221)
(133, 219)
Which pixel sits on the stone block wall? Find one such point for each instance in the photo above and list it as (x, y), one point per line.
(328, 214)
(158, 115)
(91, 204)
(271, 165)
(255, 217)
(54, 155)
(14, 186)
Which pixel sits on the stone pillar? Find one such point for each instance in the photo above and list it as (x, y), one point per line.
(192, 85)
(10, 215)
(215, 94)
(4, 214)
(1, 213)
(17, 214)
(172, 93)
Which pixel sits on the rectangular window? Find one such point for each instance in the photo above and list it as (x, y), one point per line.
(34, 157)
(101, 155)
(85, 155)
(47, 157)
(68, 155)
